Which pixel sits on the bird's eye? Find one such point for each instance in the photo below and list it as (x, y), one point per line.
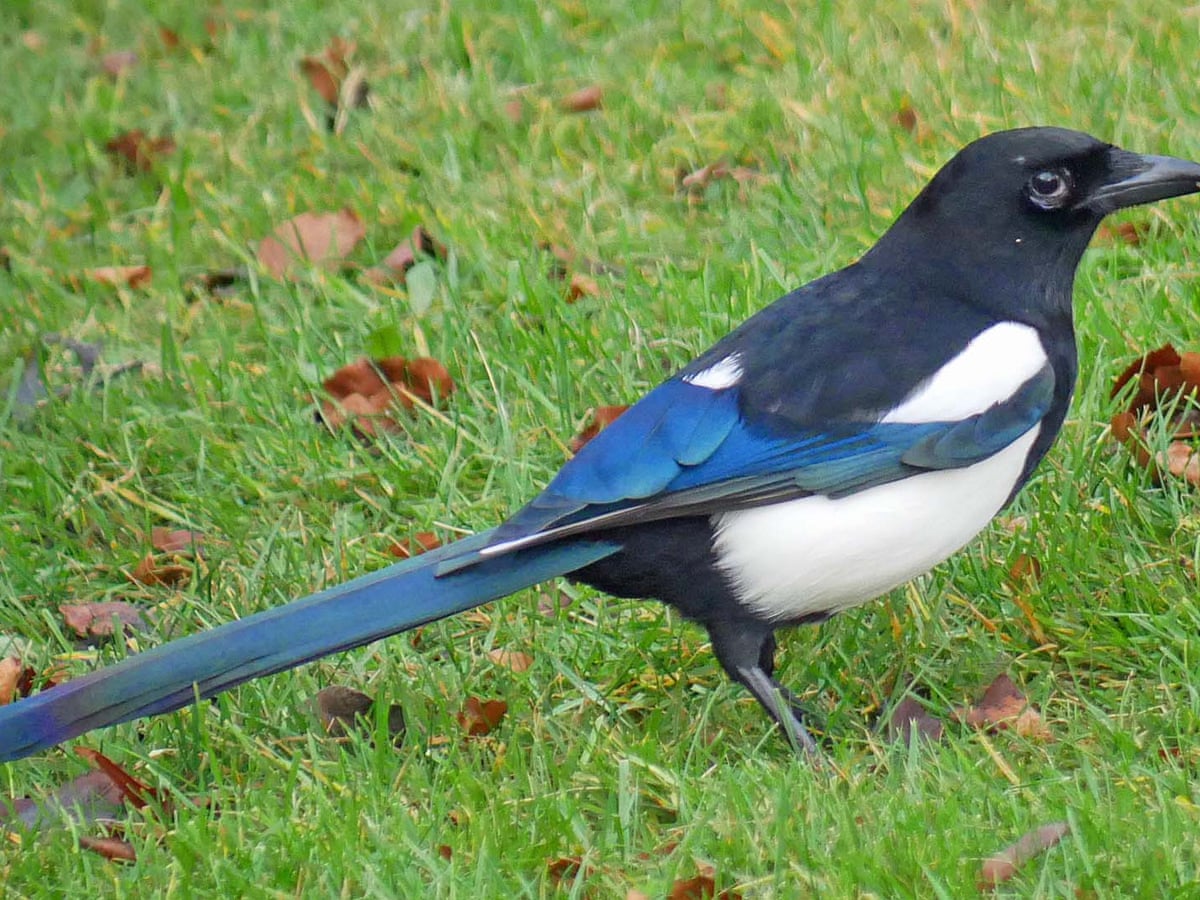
(1050, 189)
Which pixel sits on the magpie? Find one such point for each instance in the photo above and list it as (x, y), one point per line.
(845, 439)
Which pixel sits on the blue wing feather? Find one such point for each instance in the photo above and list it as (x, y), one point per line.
(688, 450)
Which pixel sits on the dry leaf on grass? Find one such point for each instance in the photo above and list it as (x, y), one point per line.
(314, 239)
(906, 117)
(102, 618)
(343, 709)
(1025, 568)
(910, 717)
(110, 847)
(549, 604)
(1166, 395)
(118, 62)
(1130, 233)
(514, 110)
(1004, 865)
(702, 887)
(695, 183)
(137, 152)
(150, 571)
(217, 283)
(14, 674)
(176, 540)
(119, 276)
(85, 798)
(581, 286)
(341, 85)
(369, 394)
(583, 100)
(516, 660)
(404, 256)
(1004, 708)
(601, 419)
(567, 869)
(408, 547)
(480, 717)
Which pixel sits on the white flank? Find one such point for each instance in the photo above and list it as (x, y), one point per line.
(817, 554)
(987, 371)
(717, 377)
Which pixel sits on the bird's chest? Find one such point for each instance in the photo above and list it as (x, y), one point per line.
(818, 554)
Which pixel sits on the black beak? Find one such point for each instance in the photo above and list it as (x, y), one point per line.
(1141, 179)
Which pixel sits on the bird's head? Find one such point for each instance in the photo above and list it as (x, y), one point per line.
(1023, 204)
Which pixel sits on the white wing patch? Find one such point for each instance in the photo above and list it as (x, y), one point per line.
(987, 371)
(720, 375)
(819, 554)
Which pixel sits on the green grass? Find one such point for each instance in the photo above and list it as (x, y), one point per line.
(624, 744)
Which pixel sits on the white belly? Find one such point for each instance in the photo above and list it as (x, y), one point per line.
(816, 554)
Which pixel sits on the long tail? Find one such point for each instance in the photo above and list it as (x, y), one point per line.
(386, 602)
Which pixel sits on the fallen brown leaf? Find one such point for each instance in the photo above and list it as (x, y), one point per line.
(695, 183)
(698, 179)
(12, 671)
(176, 540)
(111, 848)
(421, 542)
(366, 393)
(97, 619)
(584, 99)
(120, 276)
(343, 709)
(138, 152)
(548, 604)
(581, 286)
(1025, 568)
(341, 85)
(515, 660)
(133, 791)
(169, 37)
(566, 868)
(910, 717)
(428, 379)
(1004, 865)
(702, 887)
(120, 61)
(480, 717)
(85, 798)
(1167, 391)
(1003, 707)
(906, 117)
(218, 282)
(404, 256)
(368, 416)
(323, 80)
(318, 239)
(514, 110)
(1130, 233)
(359, 377)
(152, 572)
(1182, 461)
(601, 419)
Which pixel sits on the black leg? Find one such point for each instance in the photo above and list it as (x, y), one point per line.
(746, 650)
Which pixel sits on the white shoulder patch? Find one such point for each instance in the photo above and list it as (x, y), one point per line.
(987, 371)
(721, 375)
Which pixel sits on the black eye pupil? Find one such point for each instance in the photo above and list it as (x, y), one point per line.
(1047, 183)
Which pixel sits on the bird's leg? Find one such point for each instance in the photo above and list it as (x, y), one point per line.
(746, 650)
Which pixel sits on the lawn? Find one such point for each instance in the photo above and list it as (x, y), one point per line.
(626, 762)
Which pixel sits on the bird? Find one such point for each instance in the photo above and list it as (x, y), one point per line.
(841, 441)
